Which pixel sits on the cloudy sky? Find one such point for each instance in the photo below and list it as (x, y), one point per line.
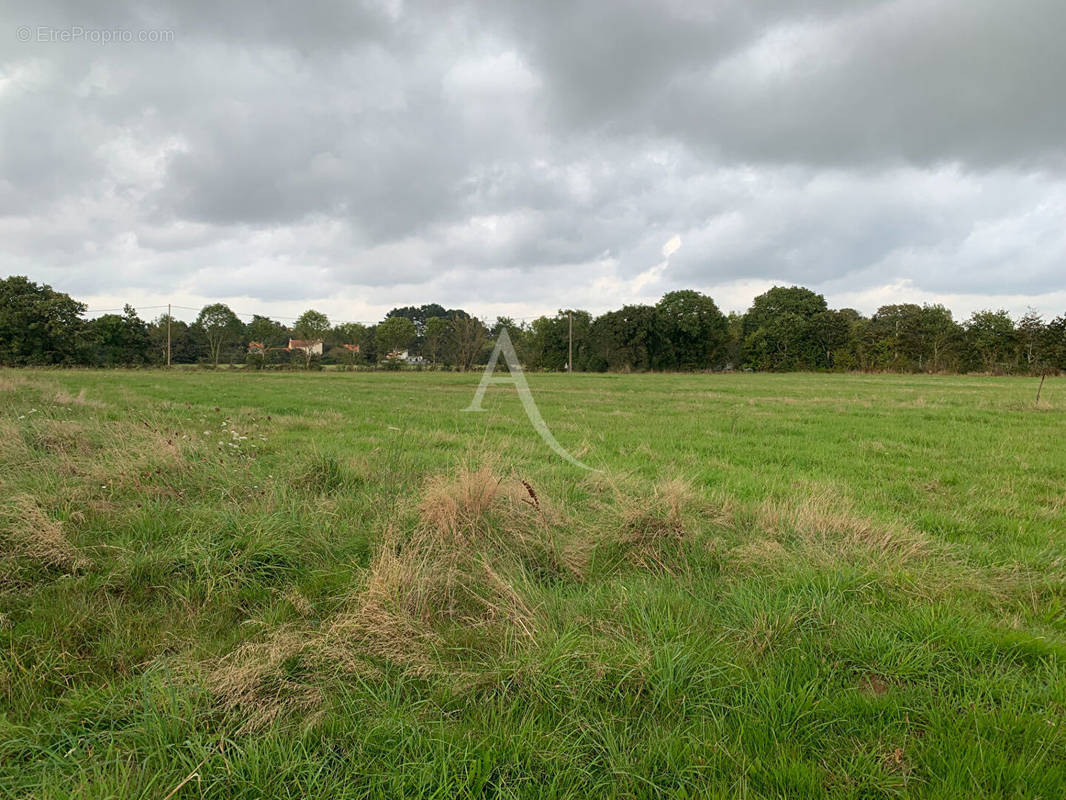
(518, 157)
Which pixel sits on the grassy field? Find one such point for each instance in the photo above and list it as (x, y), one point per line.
(338, 585)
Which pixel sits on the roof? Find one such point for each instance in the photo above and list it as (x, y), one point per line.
(304, 342)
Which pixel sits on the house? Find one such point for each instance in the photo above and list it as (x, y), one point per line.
(352, 348)
(256, 348)
(308, 346)
(405, 357)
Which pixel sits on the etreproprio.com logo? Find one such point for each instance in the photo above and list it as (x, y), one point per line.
(79, 33)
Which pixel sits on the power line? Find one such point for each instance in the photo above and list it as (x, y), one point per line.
(111, 310)
(281, 316)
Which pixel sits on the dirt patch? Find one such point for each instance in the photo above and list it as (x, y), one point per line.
(895, 761)
(873, 684)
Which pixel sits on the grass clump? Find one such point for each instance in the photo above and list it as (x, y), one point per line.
(444, 599)
(823, 527)
(28, 532)
(457, 574)
(261, 682)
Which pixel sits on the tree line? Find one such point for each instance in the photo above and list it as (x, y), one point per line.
(786, 328)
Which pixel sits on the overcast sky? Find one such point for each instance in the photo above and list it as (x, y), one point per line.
(518, 157)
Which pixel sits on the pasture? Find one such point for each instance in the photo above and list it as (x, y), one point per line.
(341, 585)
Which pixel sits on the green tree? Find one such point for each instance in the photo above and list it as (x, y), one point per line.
(219, 326)
(695, 331)
(778, 329)
(119, 340)
(627, 339)
(394, 334)
(1053, 344)
(340, 340)
(993, 340)
(348, 333)
(831, 331)
(909, 337)
(782, 300)
(734, 348)
(466, 341)
(420, 315)
(38, 325)
(157, 335)
(267, 332)
(1031, 335)
(782, 342)
(518, 333)
(549, 337)
(896, 331)
(313, 325)
(940, 339)
(435, 338)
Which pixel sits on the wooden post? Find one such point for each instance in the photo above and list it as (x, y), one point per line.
(570, 356)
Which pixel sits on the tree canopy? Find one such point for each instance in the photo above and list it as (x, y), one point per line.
(311, 324)
(395, 334)
(785, 328)
(38, 325)
(220, 326)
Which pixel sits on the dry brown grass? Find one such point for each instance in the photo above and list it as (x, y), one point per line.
(11, 382)
(452, 594)
(824, 528)
(873, 684)
(450, 505)
(769, 629)
(13, 450)
(122, 453)
(261, 679)
(458, 577)
(30, 532)
(162, 447)
(299, 602)
(63, 437)
(653, 529)
(640, 529)
(474, 543)
(65, 398)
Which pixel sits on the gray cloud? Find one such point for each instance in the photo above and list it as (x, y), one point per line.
(399, 152)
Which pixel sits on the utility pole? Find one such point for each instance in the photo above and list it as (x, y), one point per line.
(168, 334)
(570, 357)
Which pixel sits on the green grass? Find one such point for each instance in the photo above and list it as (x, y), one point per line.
(300, 585)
